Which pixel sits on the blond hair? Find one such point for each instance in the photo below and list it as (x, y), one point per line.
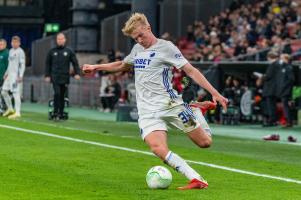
(133, 22)
(17, 38)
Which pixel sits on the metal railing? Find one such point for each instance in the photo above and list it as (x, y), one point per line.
(111, 35)
(81, 93)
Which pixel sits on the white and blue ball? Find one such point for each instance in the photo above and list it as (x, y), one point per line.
(158, 177)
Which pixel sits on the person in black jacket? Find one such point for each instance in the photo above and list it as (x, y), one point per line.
(270, 88)
(58, 72)
(286, 80)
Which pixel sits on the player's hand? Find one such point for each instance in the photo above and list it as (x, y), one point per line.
(77, 77)
(88, 69)
(221, 100)
(47, 79)
(208, 105)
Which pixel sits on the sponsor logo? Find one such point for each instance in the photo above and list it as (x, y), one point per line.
(65, 53)
(141, 63)
(178, 55)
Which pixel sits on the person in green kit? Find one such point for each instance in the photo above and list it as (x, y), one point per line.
(3, 67)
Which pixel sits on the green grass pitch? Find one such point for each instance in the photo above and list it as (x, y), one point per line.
(39, 167)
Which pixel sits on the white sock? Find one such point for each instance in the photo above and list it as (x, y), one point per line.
(17, 99)
(201, 119)
(180, 165)
(7, 99)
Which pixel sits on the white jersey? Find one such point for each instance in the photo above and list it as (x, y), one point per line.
(153, 75)
(16, 64)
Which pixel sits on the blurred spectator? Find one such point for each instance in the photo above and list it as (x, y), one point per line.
(111, 95)
(270, 89)
(228, 92)
(178, 75)
(257, 100)
(244, 29)
(286, 80)
(237, 92)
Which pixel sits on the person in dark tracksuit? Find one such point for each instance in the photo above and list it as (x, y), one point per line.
(3, 66)
(58, 72)
(270, 88)
(286, 83)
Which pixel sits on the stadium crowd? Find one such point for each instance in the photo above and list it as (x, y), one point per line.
(244, 29)
(238, 33)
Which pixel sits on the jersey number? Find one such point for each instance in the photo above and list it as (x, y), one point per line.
(184, 117)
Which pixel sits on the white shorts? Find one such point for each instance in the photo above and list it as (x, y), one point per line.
(182, 117)
(11, 85)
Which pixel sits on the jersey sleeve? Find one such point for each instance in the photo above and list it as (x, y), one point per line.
(22, 63)
(174, 56)
(130, 59)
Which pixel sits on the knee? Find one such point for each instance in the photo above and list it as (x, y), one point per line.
(205, 143)
(159, 150)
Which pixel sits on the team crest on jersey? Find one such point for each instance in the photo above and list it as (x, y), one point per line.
(152, 54)
(55, 53)
(178, 55)
(65, 53)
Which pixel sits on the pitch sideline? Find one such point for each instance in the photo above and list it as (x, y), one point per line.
(149, 153)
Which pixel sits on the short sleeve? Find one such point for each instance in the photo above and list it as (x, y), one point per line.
(174, 56)
(130, 59)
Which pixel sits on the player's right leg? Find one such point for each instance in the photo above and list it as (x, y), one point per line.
(7, 100)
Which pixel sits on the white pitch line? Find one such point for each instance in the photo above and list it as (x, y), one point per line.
(149, 153)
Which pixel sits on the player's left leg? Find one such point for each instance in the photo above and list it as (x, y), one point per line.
(201, 135)
(17, 99)
(16, 91)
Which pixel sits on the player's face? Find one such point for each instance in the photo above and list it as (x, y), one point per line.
(15, 44)
(142, 35)
(60, 40)
(2, 45)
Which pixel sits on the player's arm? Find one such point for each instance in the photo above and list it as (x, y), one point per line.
(21, 65)
(109, 67)
(200, 79)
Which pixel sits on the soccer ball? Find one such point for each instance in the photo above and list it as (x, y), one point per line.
(158, 177)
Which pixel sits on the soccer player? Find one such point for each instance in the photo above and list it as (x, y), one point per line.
(13, 79)
(158, 103)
